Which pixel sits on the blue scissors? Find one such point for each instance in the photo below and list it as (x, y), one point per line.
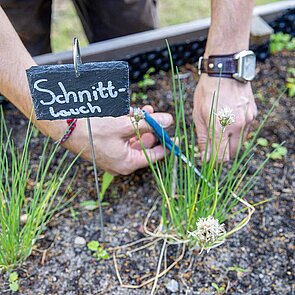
(168, 142)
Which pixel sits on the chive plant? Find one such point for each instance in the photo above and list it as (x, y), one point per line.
(16, 200)
(201, 211)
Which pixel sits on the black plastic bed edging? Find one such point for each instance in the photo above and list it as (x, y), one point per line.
(189, 52)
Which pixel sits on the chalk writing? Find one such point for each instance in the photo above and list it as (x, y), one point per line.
(102, 89)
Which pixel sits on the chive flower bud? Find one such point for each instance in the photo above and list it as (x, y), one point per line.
(226, 116)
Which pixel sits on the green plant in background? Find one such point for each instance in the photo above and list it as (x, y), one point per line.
(147, 81)
(219, 290)
(143, 85)
(279, 152)
(262, 141)
(13, 281)
(290, 81)
(16, 200)
(36, 132)
(195, 210)
(74, 213)
(239, 270)
(98, 251)
(107, 180)
(280, 42)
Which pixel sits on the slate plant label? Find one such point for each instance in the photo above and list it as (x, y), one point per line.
(101, 90)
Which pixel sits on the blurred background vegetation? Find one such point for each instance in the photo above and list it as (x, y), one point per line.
(66, 24)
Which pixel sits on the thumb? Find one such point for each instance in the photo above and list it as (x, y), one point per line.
(164, 119)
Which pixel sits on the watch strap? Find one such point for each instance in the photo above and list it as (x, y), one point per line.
(219, 65)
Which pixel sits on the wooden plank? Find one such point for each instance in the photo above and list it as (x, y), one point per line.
(124, 47)
(271, 11)
(260, 31)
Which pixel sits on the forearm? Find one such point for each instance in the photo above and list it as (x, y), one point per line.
(230, 26)
(14, 61)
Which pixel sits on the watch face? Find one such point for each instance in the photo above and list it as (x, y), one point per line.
(249, 67)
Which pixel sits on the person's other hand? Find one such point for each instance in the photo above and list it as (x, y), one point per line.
(117, 149)
(237, 96)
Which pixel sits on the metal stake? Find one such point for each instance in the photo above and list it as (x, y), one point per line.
(78, 61)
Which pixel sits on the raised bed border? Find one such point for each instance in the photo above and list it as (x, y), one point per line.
(124, 48)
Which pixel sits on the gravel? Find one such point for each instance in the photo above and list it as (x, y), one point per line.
(257, 260)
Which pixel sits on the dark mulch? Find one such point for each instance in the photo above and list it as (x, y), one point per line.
(263, 250)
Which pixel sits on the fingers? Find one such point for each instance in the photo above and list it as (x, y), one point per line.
(202, 143)
(139, 159)
(233, 145)
(201, 130)
(136, 159)
(222, 146)
(147, 108)
(230, 140)
(148, 140)
(235, 140)
(239, 129)
(164, 119)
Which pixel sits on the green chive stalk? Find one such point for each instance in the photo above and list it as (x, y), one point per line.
(37, 205)
(188, 201)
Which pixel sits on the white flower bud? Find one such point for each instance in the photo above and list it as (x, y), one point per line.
(226, 116)
(208, 230)
(138, 114)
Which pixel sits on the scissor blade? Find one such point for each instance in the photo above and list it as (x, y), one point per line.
(169, 144)
(197, 171)
(185, 160)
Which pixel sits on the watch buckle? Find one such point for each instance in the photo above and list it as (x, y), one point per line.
(238, 75)
(240, 57)
(200, 65)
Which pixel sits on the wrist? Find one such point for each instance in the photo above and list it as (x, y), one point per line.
(208, 53)
(219, 47)
(53, 129)
(240, 66)
(230, 26)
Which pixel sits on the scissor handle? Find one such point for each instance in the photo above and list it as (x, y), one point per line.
(161, 134)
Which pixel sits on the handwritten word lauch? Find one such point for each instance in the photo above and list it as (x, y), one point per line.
(101, 90)
(97, 92)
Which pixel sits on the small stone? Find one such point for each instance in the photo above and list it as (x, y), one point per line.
(80, 241)
(23, 219)
(78, 250)
(172, 286)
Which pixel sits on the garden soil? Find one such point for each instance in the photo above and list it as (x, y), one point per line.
(256, 260)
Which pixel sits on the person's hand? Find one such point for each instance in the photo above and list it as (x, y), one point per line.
(233, 94)
(117, 149)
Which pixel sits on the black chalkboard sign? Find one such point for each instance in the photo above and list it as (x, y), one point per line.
(102, 89)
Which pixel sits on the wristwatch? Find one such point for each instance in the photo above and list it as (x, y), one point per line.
(240, 66)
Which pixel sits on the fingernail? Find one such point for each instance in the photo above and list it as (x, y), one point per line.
(166, 120)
